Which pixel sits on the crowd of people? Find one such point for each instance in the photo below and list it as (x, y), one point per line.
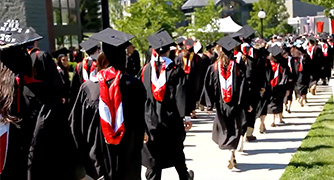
(115, 116)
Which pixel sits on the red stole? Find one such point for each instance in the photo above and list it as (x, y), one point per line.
(238, 56)
(85, 71)
(300, 66)
(324, 47)
(310, 50)
(187, 63)
(4, 135)
(226, 80)
(110, 106)
(277, 70)
(158, 83)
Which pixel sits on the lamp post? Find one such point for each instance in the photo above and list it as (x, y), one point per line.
(261, 15)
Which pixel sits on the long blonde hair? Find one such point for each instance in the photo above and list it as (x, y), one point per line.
(7, 89)
(222, 56)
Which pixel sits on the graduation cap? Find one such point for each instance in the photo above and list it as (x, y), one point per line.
(311, 39)
(180, 40)
(89, 44)
(112, 37)
(236, 36)
(160, 39)
(246, 31)
(61, 51)
(275, 50)
(189, 44)
(228, 43)
(211, 45)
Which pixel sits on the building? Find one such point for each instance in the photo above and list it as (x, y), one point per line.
(237, 9)
(58, 21)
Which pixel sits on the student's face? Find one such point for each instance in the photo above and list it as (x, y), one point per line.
(64, 61)
(130, 49)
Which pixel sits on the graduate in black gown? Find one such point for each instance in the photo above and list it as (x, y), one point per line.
(278, 82)
(85, 69)
(62, 67)
(132, 66)
(38, 143)
(291, 80)
(107, 119)
(164, 111)
(302, 71)
(225, 87)
(314, 57)
(326, 60)
(190, 63)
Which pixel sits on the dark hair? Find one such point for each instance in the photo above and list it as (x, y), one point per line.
(93, 50)
(60, 64)
(115, 55)
(7, 89)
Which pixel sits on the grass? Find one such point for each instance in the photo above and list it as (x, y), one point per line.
(314, 160)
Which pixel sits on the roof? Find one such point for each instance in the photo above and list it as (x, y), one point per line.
(196, 3)
(250, 1)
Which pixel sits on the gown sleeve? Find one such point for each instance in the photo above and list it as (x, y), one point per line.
(180, 95)
(208, 93)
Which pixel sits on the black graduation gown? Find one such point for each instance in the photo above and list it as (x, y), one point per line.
(227, 125)
(326, 62)
(275, 105)
(122, 161)
(43, 147)
(45, 69)
(292, 78)
(77, 81)
(133, 64)
(164, 120)
(192, 82)
(315, 64)
(66, 84)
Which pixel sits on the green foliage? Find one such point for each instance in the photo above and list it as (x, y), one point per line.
(328, 4)
(206, 16)
(314, 158)
(147, 17)
(90, 15)
(276, 17)
(116, 11)
(71, 66)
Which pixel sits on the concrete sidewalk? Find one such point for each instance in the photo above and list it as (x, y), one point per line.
(263, 159)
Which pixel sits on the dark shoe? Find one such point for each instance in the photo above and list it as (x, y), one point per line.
(250, 138)
(289, 111)
(191, 175)
(273, 125)
(282, 122)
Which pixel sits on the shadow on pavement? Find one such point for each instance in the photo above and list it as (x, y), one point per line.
(200, 131)
(270, 151)
(319, 136)
(298, 124)
(246, 166)
(314, 111)
(279, 140)
(286, 130)
(306, 165)
(314, 148)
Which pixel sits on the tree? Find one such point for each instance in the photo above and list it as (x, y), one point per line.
(147, 17)
(90, 15)
(276, 17)
(205, 28)
(328, 4)
(116, 11)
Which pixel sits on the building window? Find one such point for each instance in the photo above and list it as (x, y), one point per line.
(64, 12)
(68, 41)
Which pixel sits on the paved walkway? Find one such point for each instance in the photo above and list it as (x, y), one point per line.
(263, 159)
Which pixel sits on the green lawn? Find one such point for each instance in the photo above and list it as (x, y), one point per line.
(315, 157)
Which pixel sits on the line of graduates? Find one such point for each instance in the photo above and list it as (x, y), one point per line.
(119, 122)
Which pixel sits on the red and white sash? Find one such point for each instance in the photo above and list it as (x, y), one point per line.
(158, 83)
(300, 67)
(277, 69)
(289, 63)
(331, 44)
(250, 52)
(85, 69)
(4, 135)
(310, 50)
(226, 80)
(324, 47)
(110, 106)
(238, 56)
(187, 63)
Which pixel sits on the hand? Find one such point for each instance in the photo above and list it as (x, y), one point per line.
(63, 100)
(263, 90)
(250, 109)
(188, 125)
(145, 138)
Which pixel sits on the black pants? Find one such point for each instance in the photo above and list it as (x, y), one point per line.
(155, 173)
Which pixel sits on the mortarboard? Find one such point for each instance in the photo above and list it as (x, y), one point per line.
(189, 44)
(89, 44)
(112, 37)
(29, 35)
(311, 39)
(180, 40)
(209, 46)
(197, 47)
(275, 50)
(60, 51)
(228, 43)
(246, 31)
(160, 39)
